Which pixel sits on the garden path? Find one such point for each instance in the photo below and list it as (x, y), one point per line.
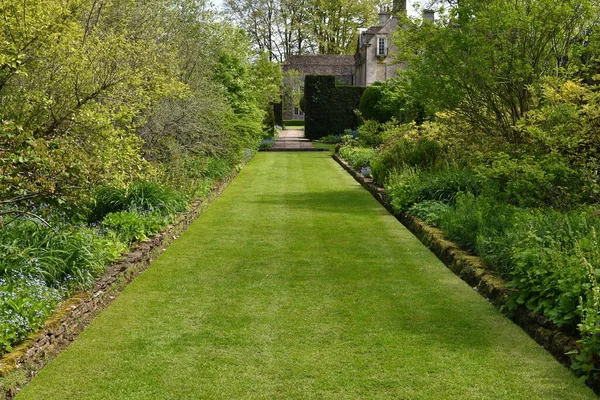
(297, 284)
(293, 140)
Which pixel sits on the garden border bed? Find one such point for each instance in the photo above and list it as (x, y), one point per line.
(76, 313)
(471, 269)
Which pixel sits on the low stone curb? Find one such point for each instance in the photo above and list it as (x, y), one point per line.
(75, 314)
(472, 270)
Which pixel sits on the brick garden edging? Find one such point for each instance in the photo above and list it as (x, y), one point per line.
(71, 318)
(471, 270)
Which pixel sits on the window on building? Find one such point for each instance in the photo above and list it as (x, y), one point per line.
(381, 47)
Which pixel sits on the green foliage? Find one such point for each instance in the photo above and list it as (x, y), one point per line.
(547, 262)
(384, 101)
(586, 363)
(70, 257)
(357, 157)
(405, 151)
(429, 211)
(546, 181)
(564, 121)
(25, 303)
(329, 108)
(141, 197)
(134, 226)
(331, 139)
(485, 60)
(410, 186)
(267, 143)
(370, 133)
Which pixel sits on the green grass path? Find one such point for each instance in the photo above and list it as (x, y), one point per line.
(297, 284)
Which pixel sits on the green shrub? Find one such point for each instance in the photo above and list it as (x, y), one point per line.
(481, 225)
(385, 101)
(370, 133)
(549, 271)
(547, 181)
(409, 186)
(132, 226)
(217, 169)
(331, 139)
(404, 152)
(266, 143)
(429, 211)
(357, 157)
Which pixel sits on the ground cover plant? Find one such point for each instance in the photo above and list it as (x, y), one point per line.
(296, 283)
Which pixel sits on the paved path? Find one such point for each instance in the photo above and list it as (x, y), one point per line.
(297, 284)
(293, 140)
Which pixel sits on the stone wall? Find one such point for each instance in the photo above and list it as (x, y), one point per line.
(77, 312)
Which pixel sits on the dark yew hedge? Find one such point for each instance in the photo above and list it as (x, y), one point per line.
(329, 107)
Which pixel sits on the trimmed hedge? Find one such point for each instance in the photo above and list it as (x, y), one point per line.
(329, 107)
(278, 110)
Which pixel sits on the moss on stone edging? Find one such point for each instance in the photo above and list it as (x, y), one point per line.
(471, 269)
(71, 318)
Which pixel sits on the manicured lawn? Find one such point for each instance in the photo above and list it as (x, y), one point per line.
(297, 284)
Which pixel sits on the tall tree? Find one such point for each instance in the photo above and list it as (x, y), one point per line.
(286, 27)
(485, 59)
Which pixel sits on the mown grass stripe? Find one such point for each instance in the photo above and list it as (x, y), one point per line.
(296, 283)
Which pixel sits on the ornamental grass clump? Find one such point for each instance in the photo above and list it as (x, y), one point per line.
(69, 258)
(142, 197)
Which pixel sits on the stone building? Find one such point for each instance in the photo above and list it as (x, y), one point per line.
(372, 62)
(373, 58)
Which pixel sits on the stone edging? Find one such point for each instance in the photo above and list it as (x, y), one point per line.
(471, 270)
(71, 318)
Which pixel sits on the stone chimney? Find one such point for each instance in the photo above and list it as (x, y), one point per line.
(384, 15)
(429, 15)
(399, 7)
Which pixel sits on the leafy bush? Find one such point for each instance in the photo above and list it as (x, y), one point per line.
(536, 182)
(548, 262)
(357, 157)
(370, 133)
(332, 139)
(540, 250)
(385, 101)
(25, 303)
(406, 152)
(412, 186)
(217, 168)
(132, 226)
(481, 226)
(429, 211)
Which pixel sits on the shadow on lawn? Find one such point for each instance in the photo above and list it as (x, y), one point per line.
(344, 202)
